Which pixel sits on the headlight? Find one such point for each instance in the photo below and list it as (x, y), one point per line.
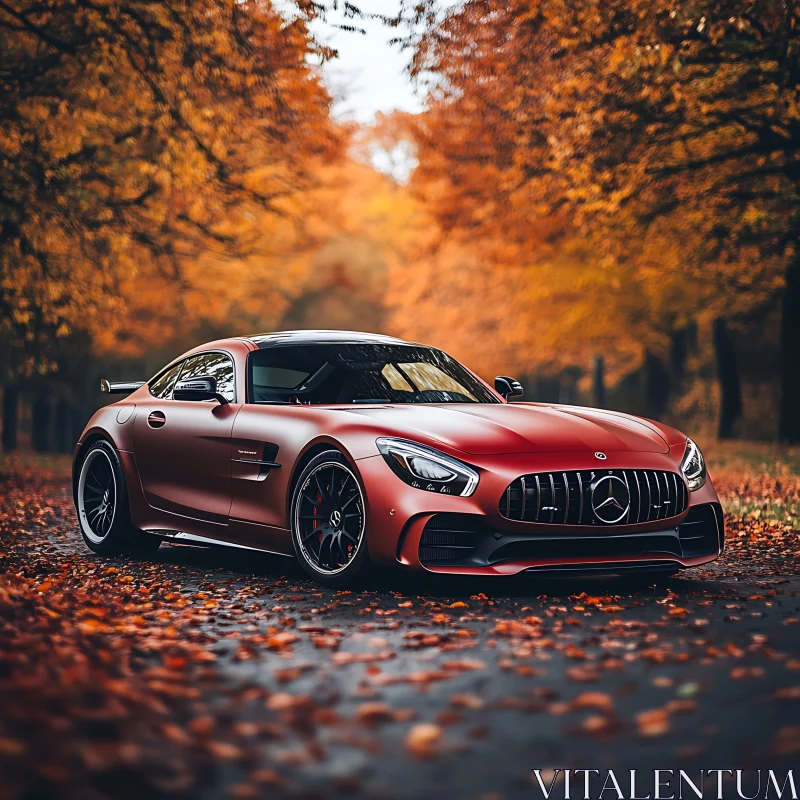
(427, 469)
(693, 466)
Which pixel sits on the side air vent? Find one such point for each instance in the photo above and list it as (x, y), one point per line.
(577, 497)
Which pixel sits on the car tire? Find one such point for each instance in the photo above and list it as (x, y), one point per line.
(332, 550)
(101, 500)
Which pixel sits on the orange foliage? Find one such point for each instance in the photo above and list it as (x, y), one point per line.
(592, 178)
(626, 167)
(135, 136)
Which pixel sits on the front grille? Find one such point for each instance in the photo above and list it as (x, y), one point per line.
(565, 498)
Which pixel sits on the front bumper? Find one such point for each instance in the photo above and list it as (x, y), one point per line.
(468, 535)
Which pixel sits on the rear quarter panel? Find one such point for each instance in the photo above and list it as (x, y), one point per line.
(115, 424)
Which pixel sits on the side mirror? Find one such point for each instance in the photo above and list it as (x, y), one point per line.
(507, 387)
(203, 388)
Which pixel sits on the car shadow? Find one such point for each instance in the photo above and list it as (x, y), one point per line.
(244, 562)
(434, 586)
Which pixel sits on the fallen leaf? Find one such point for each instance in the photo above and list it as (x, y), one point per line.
(424, 740)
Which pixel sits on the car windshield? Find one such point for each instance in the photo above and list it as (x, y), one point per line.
(322, 374)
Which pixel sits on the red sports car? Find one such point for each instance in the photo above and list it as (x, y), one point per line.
(345, 449)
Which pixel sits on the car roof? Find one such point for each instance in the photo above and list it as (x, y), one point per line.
(318, 337)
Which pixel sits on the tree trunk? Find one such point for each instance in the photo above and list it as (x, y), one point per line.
(41, 429)
(566, 392)
(789, 412)
(547, 388)
(730, 406)
(678, 355)
(656, 386)
(63, 426)
(599, 382)
(10, 417)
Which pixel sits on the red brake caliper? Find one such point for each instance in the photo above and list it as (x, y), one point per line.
(319, 500)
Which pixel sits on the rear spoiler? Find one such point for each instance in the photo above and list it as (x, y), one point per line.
(120, 387)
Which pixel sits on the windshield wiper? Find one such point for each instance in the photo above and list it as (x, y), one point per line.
(371, 400)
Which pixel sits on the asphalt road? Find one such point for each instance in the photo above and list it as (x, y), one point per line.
(258, 682)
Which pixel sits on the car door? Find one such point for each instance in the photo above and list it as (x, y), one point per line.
(183, 447)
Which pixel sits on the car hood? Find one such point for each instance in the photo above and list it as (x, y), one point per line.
(484, 429)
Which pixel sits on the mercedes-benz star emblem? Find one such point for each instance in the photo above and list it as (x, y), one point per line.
(336, 518)
(610, 499)
(601, 456)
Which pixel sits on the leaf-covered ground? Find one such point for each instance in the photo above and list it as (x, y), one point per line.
(206, 673)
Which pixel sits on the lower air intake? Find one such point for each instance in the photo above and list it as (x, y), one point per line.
(449, 537)
(702, 532)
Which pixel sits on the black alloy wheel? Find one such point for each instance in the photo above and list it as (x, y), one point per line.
(101, 501)
(98, 493)
(328, 520)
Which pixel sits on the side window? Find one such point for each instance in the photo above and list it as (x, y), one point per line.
(163, 385)
(212, 365)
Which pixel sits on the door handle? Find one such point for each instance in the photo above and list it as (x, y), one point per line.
(157, 419)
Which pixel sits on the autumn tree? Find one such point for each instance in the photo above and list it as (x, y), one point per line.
(665, 133)
(136, 138)
(133, 133)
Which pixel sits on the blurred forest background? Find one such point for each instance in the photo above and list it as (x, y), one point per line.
(601, 197)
